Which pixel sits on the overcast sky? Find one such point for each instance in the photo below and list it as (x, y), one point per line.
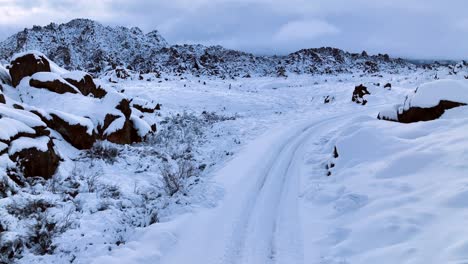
(407, 28)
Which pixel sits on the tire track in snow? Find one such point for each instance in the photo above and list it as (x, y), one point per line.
(270, 230)
(258, 220)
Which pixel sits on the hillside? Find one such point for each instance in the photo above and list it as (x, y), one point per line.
(83, 44)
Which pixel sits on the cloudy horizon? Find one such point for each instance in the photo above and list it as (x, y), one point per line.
(414, 29)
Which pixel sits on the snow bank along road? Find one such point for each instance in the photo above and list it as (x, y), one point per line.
(259, 218)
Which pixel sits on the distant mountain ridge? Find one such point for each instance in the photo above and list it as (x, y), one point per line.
(88, 45)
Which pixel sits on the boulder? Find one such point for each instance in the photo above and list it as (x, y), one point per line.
(388, 86)
(35, 156)
(416, 114)
(85, 83)
(145, 106)
(359, 93)
(429, 102)
(126, 131)
(328, 99)
(76, 133)
(371, 67)
(51, 82)
(124, 134)
(124, 106)
(27, 64)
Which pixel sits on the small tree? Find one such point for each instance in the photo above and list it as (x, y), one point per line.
(281, 72)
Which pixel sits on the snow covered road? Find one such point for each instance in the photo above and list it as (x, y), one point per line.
(259, 218)
(390, 189)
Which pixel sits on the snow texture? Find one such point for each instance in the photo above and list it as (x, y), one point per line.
(24, 143)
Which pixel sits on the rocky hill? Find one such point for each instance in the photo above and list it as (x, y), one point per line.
(43, 105)
(83, 44)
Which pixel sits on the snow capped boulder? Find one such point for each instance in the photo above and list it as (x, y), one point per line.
(27, 64)
(429, 102)
(52, 82)
(35, 156)
(25, 141)
(145, 106)
(48, 99)
(359, 93)
(85, 83)
(76, 130)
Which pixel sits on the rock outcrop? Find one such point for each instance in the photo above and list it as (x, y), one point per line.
(27, 64)
(34, 160)
(429, 102)
(85, 83)
(358, 94)
(51, 82)
(74, 107)
(118, 52)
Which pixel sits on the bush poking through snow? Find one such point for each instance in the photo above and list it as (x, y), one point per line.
(174, 176)
(42, 228)
(105, 151)
(178, 137)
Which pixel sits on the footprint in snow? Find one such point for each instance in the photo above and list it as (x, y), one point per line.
(349, 203)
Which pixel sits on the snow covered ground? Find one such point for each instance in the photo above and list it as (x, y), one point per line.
(271, 189)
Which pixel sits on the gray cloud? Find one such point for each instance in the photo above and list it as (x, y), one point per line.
(409, 28)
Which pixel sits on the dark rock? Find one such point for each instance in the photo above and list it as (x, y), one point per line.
(388, 86)
(17, 106)
(416, 114)
(76, 134)
(371, 67)
(56, 86)
(145, 108)
(126, 135)
(87, 86)
(335, 153)
(328, 99)
(34, 162)
(27, 65)
(2, 99)
(124, 106)
(359, 93)
(107, 121)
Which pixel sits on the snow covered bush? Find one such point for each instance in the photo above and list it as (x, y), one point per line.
(175, 176)
(28, 225)
(177, 143)
(105, 151)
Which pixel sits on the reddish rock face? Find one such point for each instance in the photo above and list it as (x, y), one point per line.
(416, 114)
(55, 86)
(144, 109)
(76, 135)
(126, 135)
(87, 86)
(124, 106)
(27, 65)
(34, 162)
(359, 93)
